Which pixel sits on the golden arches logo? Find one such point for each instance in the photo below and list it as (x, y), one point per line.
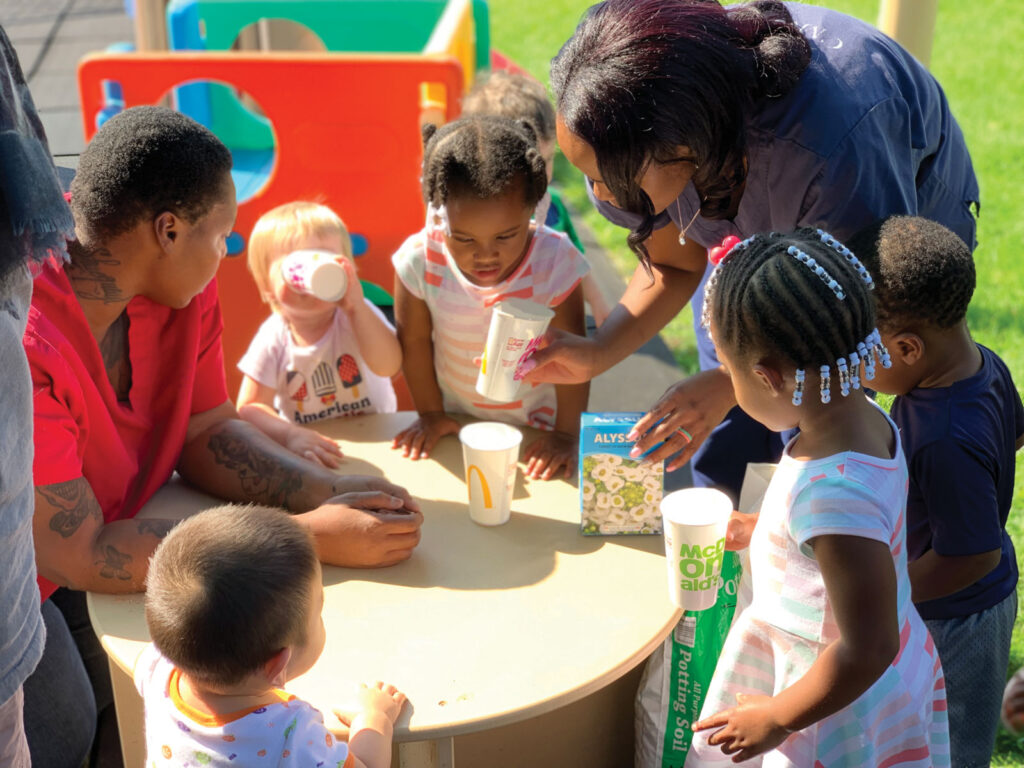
(484, 487)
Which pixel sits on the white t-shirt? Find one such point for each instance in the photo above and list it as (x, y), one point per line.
(288, 733)
(322, 381)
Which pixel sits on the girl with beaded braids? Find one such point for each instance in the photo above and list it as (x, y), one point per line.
(695, 121)
(830, 664)
(482, 179)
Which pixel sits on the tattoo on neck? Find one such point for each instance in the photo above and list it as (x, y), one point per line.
(75, 503)
(114, 351)
(264, 479)
(90, 273)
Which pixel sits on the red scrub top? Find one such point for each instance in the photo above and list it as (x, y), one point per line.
(125, 450)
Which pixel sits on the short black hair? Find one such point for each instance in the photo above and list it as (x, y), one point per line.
(924, 272)
(482, 156)
(766, 302)
(142, 162)
(227, 589)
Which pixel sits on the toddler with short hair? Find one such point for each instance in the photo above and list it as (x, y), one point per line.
(233, 604)
(312, 359)
(961, 423)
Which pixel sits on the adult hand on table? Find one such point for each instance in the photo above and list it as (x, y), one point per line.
(372, 526)
(697, 405)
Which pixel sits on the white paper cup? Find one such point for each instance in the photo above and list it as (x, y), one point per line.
(490, 450)
(317, 273)
(515, 331)
(695, 521)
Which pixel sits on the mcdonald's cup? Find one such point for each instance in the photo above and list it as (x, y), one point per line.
(491, 451)
(695, 521)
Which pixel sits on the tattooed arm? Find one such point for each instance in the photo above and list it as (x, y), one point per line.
(75, 548)
(357, 520)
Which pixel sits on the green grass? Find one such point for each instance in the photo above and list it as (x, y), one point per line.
(976, 57)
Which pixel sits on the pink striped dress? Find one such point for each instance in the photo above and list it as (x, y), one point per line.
(461, 314)
(901, 719)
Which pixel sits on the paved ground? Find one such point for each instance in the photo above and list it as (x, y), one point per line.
(52, 35)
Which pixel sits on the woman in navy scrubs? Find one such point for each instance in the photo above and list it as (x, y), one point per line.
(694, 122)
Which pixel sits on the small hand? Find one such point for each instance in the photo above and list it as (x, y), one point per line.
(313, 446)
(550, 452)
(562, 358)
(379, 697)
(683, 418)
(353, 297)
(739, 530)
(418, 440)
(1013, 703)
(747, 730)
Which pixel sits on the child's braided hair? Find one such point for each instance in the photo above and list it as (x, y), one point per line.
(481, 156)
(801, 298)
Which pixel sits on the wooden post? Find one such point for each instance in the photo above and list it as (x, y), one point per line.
(150, 25)
(911, 23)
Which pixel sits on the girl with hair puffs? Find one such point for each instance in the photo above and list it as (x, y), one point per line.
(830, 664)
(482, 179)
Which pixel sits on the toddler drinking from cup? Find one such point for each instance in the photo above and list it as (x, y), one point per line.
(482, 179)
(312, 359)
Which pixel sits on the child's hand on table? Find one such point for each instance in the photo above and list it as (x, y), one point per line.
(378, 698)
(418, 440)
(747, 730)
(314, 447)
(549, 453)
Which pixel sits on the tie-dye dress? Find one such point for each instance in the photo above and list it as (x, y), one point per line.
(901, 719)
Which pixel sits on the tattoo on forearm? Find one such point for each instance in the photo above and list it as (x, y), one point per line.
(113, 562)
(158, 528)
(264, 479)
(88, 278)
(75, 503)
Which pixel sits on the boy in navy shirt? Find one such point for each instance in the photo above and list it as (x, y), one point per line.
(961, 422)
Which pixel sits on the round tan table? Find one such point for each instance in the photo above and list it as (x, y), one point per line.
(481, 628)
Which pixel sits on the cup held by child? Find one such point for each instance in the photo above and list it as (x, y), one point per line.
(317, 273)
(515, 331)
(695, 522)
(490, 450)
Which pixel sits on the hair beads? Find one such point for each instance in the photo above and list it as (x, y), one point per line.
(819, 270)
(826, 383)
(798, 390)
(855, 370)
(846, 253)
(844, 377)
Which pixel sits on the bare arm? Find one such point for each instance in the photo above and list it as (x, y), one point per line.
(933, 575)
(571, 398)
(76, 549)
(377, 343)
(256, 406)
(415, 327)
(861, 583)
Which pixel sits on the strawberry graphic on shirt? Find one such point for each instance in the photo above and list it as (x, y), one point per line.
(348, 369)
(323, 383)
(297, 389)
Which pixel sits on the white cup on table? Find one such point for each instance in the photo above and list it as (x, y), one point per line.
(695, 521)
(490, 450)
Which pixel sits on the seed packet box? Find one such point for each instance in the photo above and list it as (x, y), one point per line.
(618, 494)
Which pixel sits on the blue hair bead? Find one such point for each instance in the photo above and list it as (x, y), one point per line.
(826, 382)
(798, 390)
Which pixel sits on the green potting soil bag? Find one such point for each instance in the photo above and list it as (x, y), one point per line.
(677, 676)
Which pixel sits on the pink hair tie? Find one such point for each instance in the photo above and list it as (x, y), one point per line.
(719, 252)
